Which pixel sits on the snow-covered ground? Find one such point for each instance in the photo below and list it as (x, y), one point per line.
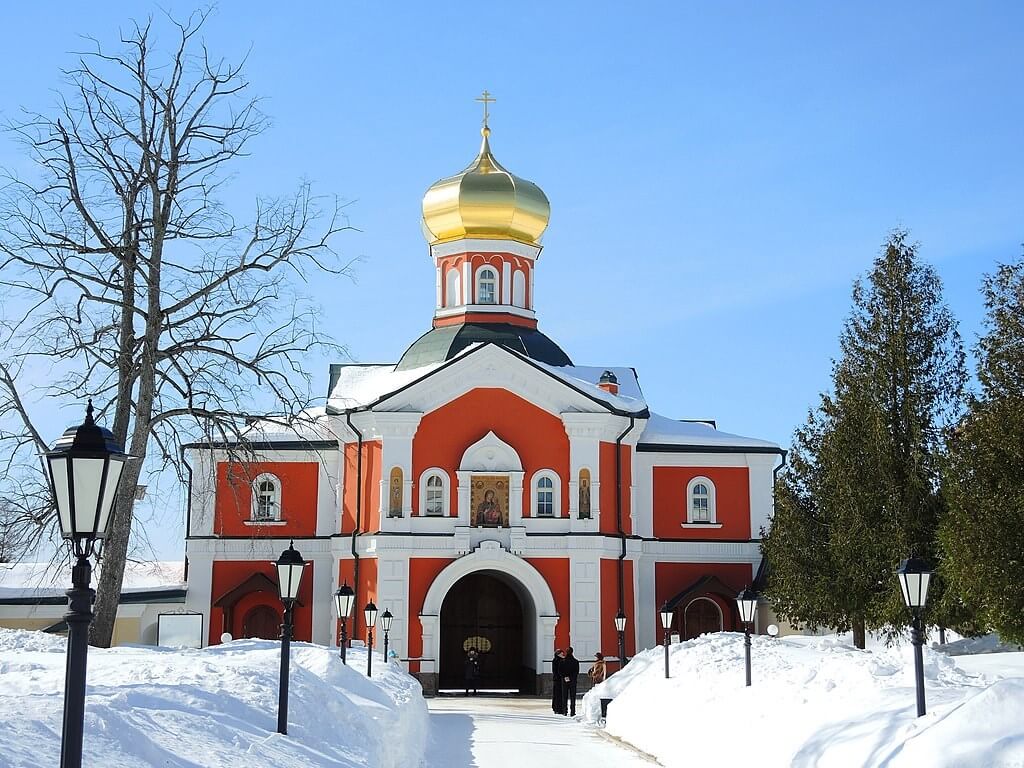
(211, 707)
(816, 702)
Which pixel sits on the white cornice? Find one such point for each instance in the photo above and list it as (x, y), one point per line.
(480, 245)
(501, 309)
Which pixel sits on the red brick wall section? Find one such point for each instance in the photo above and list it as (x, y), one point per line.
(537, 436)
(608, 483)
(732, 502)
(555, 571)
(422, 572)
(371, 487)
(233, 504)
(366, 590)
(228, 574)
(610, 606)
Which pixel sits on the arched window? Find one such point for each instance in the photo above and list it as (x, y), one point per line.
(546, 494)
(434, 493)
(451, 288)
(584, 491)
(486, 286)
(266, 498)
(700, 502)
(519, 288)
(395, 490)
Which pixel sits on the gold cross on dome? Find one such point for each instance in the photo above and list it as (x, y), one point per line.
(485, 97)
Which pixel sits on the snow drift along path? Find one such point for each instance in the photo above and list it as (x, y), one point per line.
(813, 702)
(212, 707)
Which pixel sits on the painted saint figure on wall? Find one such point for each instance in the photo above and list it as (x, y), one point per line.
(489, 502)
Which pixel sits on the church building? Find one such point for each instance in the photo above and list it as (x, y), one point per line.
(486, 489)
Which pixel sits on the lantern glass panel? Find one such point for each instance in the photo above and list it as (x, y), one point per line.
(371, 615)
(289, 577)
(62, 493)
(666, 619)
(343, 599)
(620, 623)
(385, 621)
(915, 588)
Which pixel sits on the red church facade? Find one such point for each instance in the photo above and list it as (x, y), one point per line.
(484, 489)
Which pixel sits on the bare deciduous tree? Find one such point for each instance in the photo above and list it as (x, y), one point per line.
(136, 283)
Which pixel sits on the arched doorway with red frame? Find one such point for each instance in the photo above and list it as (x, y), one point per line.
(252, 608)
(706, 605)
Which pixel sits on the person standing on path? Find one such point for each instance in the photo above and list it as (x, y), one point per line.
(570, 671)
(472, 671)
(557, 690)
(599, 671)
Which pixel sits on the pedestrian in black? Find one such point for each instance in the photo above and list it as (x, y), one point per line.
(472, 671)
(569, 668)
(557, 690)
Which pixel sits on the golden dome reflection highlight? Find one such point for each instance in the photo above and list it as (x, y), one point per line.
(485, 200)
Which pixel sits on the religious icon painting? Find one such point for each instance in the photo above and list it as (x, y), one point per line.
(489, 501)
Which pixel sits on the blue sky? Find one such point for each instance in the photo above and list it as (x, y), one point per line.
(718, 173)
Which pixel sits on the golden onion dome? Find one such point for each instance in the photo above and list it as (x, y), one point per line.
(487, 201)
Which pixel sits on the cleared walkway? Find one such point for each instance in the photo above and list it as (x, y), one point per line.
(482, 732)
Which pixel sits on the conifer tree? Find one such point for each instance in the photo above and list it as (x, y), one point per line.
(863, 489)
(982, 538)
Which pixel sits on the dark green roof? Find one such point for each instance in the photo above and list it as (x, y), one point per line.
(440, 344)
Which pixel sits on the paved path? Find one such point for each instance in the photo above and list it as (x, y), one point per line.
(483, 732)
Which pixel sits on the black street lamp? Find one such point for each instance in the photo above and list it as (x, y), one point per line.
(746, 601)
(385, 623)
(290, 567)
(666, 624)
(370, 613)
(85, 468)
(343, 600)
(914, 575)
(620, 629)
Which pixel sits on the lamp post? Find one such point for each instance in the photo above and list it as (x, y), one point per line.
(746, 602)
(914, 575)
(343, 600)
(370, 613)
(385, 623)
(620, 629)
(666, 624)
(85, 468)
(290, 567)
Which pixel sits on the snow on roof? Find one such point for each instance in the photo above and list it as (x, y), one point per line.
(358, 386)
(586, 377)
(44, 580)
(661, 430)
(308, 425)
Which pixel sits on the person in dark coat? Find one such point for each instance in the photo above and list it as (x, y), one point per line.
(569, 669)
(557, 690)
(472, 671)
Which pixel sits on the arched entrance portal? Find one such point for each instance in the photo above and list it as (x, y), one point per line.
(483, 611)
(262, 622)
(700, 617)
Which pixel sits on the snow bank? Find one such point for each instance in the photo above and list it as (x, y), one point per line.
(819, 703)
(211, 707)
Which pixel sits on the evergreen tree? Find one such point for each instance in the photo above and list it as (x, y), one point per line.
(982, 538)
(863, 489)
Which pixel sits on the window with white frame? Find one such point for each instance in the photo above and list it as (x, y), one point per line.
(546, 494)
(266, 498)
(486, 286)
(434, 493)
(700, 501)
